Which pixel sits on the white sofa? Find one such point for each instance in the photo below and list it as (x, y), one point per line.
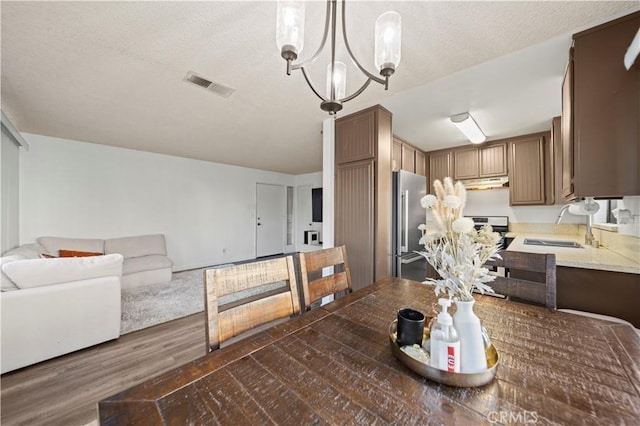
(145, 256)
(50, 307)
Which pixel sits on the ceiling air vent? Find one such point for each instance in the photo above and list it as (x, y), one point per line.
(217, 88)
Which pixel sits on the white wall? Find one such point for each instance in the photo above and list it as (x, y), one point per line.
(495, 202)
(633, 227)
(77, 189)
(9, 200)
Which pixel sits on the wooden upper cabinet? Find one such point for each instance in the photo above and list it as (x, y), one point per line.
(357, 135)
(466, 163)
(555, 165)
(566, 133)
(526, 172)
(421, 167)
(493, 160)
(473, 163)
(396, 155)
(440, 165)
(408, 158)
(605, 111)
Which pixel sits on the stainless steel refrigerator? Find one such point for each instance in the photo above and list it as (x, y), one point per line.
(408, 214)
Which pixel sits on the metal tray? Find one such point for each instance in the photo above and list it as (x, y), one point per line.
(463, 380)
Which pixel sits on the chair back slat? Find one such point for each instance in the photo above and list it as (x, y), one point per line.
(316, 261)
(249, 275)
(328, 285)
(241, 297)
(532, 262)
(240, 319)
(530, 277)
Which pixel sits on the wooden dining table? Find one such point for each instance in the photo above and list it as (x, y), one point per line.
(334, 365)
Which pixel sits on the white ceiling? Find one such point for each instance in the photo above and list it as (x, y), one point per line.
(112, 73)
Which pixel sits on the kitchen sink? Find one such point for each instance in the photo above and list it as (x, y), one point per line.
(551, 243)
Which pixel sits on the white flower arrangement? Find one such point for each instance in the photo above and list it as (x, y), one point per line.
(455, 249)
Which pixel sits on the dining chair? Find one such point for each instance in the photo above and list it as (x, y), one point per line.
(529, 277)
(239, 298)
(315, 284)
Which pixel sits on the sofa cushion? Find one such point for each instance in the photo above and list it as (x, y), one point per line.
(146, 263)
(141, 245)
(7, 284)
(54, 244)
(74, 253)
(39, 272)
(28, 251)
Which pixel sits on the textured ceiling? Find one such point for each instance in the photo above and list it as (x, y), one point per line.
(112, 73)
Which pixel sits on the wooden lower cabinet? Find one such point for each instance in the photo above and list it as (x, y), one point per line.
(616, 294)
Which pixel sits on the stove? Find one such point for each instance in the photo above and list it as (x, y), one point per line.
(500, 224)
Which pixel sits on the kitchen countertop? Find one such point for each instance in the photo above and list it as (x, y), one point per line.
(586, 257)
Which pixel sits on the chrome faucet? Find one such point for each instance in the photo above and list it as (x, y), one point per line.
(590, 207)
(562, 212)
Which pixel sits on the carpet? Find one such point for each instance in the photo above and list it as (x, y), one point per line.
(146, 306)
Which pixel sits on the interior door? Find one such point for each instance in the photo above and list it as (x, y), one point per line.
(271, 216)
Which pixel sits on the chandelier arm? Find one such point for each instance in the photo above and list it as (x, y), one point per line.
(310, 83)
(357, 92)
(346, 44)
(322, 43)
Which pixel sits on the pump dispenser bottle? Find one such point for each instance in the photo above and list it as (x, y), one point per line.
(445, 342)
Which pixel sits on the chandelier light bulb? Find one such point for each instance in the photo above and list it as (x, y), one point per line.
(290, 27)
(388, 42)
(339, 80)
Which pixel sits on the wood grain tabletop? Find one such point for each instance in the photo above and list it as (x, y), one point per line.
(333, 365)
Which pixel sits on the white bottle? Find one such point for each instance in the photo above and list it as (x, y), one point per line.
(445, 342)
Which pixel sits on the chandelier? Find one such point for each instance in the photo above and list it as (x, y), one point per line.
(290, 40)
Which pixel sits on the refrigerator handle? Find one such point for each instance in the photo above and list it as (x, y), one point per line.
(405, 221)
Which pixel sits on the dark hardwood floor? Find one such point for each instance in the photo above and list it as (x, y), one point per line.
(65, 390)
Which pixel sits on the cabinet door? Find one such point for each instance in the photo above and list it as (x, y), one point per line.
(556, 167)
(493, 160)
(408, 158)
(606, 111)
(354, 218)
(420, 165)
(466, 163)
(440, 166)
(567, 132)
(526, 172)
(396, 155)
(355, 137)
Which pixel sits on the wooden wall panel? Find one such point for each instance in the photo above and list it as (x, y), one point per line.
(354, 218)
(383, 195)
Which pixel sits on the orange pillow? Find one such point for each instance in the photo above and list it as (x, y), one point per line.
(73, 253)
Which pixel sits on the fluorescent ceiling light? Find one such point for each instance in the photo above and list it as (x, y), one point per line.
(468, 127)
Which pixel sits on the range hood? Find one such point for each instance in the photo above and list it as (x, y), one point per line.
(486, 183)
